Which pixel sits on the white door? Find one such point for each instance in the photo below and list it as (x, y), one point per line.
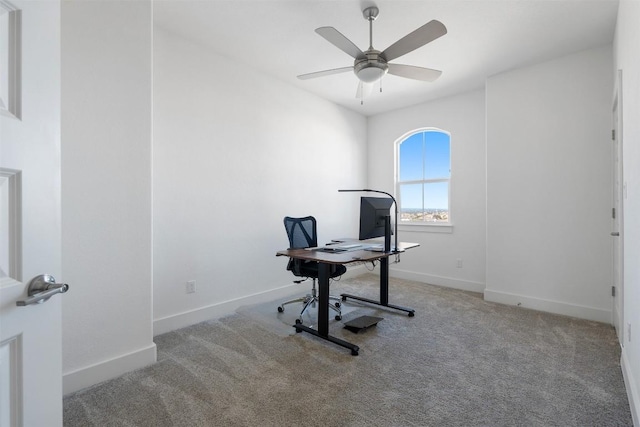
(617, 228)
(30, 336)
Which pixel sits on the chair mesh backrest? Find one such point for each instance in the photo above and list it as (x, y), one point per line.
(302, 232)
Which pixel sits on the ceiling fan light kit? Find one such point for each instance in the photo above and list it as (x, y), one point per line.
(371, 65)
(371, 69)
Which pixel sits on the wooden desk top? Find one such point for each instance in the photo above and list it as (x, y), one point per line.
(344, 257)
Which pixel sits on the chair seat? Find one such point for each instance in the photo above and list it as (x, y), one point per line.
(302, 233)
(310, 269)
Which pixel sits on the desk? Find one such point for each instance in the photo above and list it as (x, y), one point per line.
(325, 261)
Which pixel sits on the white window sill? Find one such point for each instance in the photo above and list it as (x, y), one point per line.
(425, 227)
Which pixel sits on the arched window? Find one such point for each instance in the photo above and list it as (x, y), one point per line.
(423, 175)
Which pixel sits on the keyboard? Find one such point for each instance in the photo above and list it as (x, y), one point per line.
(340, 247)
(348, 246)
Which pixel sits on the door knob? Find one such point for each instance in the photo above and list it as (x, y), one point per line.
(615, 233)
(41, 288)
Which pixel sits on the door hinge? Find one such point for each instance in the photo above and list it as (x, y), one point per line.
(613, 291)
(613, 213)
(613, 134)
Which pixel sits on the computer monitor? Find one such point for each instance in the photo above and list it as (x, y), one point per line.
(373, 214)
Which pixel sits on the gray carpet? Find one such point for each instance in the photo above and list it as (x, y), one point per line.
(459, 362)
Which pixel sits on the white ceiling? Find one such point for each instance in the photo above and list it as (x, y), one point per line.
(485, 37)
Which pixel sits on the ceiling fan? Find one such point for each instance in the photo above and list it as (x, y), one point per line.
(371, 65)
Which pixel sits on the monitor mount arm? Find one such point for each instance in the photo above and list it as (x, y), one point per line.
(387, 226)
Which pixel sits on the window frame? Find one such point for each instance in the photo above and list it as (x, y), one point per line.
(422, 226)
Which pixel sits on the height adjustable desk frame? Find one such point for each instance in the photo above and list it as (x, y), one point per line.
(384, 290)
(325, 260)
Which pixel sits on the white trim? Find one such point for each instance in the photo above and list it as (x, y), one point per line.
(448, 282)
(13, 83)
(630, 385)
(13, 179)
(396, 173)
(108, 369)
(556, 307)
(425, 227)
(617, 302)
(12, 383)
(224, 308)
(221, 309)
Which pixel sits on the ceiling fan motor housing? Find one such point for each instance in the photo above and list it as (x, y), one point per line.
(371, 68)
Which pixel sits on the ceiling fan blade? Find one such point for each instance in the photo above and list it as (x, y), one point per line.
(413, 72)
(423, 35)
(337, 39)
(324, 73)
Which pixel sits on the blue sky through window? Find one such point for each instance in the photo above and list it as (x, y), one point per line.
(425, 156)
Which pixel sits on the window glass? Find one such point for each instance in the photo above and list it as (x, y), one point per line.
(423, 176)
(436, 156)
(436, 201)
(411, 157)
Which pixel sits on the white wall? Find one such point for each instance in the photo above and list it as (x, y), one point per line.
(549, 186)
(234, 152)
(627, 48)
(106, 196)
(435, 260)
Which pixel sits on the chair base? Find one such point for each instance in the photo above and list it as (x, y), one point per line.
(310, 300)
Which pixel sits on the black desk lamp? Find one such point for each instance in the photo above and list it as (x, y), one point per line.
(387, 241)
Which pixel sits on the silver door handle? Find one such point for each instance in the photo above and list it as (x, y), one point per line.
(615, 233)
(41, 288)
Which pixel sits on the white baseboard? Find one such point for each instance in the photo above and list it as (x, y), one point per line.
(448, 282)
(556, 307)
(632, 390)
(108, 369)
(224, 308)
(216, 311)
(116, 366)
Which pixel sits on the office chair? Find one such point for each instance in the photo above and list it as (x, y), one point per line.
(302, 233)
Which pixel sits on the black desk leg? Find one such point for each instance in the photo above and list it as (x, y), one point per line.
(384, 281)
(384, 291)
(323, 312)
(323, 298)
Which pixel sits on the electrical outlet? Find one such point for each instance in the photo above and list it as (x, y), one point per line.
(191, 286)
(459, 263)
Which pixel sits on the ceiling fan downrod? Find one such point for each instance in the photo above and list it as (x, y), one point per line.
(372, 66)
(370, 14)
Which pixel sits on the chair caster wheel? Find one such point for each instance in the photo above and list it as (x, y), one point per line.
(298, 321)
(280, 309)
(344, 298)
(337, 304)
(411, 314)
(354, 352)
(338, 317)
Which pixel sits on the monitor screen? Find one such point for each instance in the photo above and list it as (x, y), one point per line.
(373, 211)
